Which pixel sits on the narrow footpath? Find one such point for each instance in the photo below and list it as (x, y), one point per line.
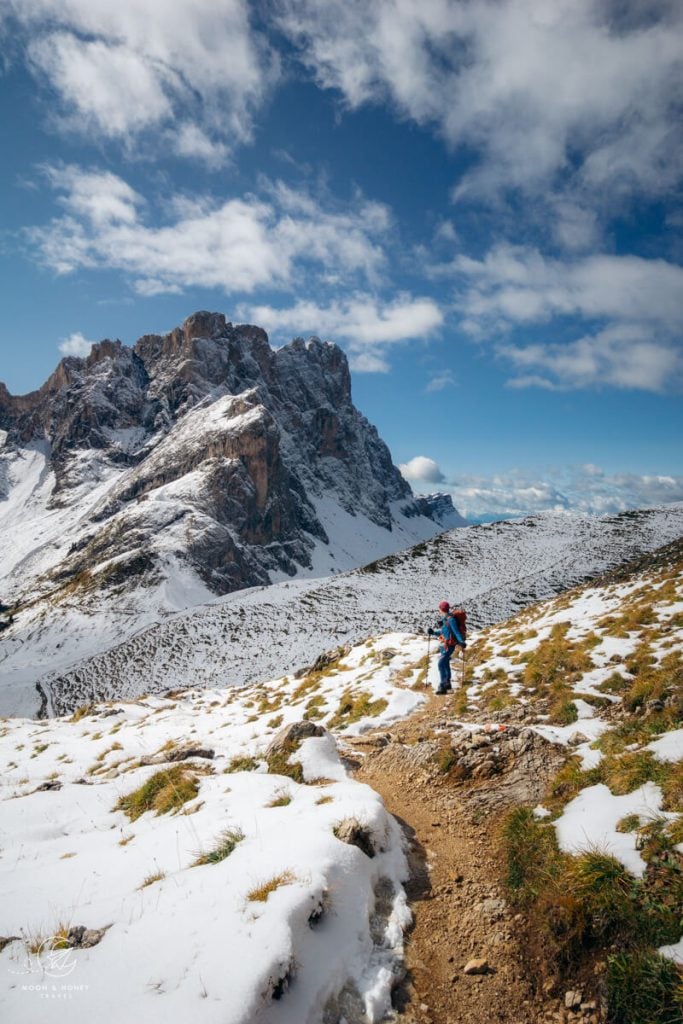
(456, 890)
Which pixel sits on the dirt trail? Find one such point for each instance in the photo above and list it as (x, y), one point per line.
(456, 894)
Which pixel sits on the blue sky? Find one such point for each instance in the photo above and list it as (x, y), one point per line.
(479, 201)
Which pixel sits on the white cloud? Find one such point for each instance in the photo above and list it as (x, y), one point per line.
(236, 245)
(440, 381)
(628, 307)
(422, 469)
(362, 322)
(519, 284)
(532, 86)
(75, 345)
(620, 356)
(587, 489)
(369, 362)
(194, 68)
(192, 141)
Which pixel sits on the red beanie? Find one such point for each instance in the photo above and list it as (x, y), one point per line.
(444, 606)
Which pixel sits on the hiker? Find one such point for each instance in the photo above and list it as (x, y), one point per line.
(450, 637)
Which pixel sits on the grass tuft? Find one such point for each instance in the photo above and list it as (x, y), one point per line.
(157, 876)
(163, 792)
(223, 847)
(242, 764)
(354, 706)
(644, 988)
(260, 893)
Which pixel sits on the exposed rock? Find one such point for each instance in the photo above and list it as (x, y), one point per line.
(371, 740)
(573, 999)
(185, 752)
(354, 833)
(81, 937)
(289, 738)
(477, 966)
(50, 784)
(520, 761)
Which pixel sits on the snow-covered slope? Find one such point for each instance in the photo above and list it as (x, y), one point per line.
(263, 885)
(272, 894)
(260, 633)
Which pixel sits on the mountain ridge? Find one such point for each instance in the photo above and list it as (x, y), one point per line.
(265, 632)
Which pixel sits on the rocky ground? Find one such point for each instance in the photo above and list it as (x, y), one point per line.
(467, 958)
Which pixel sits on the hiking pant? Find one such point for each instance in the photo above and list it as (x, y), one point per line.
(444, 664)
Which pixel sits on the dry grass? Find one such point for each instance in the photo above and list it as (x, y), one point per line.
(260, 893)
(281, 799)
(156, 876)
(242, 764)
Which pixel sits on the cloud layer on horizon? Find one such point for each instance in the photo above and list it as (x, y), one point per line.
(586, 489)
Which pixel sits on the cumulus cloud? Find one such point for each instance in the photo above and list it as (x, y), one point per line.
(193, 70)
(75, 345)
(363, 322)
(422, 469)
(586, 489)
(236, 245)
(629, 307)
(535, 88)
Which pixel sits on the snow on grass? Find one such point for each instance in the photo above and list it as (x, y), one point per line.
(674, 952)
(589, 822)
(239, 904)
(668, 747)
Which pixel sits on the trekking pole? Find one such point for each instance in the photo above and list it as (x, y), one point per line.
(463, 668)
(429, 640)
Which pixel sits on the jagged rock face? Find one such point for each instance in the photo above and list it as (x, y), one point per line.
(217, 447)
(439, 507)
(81, 403)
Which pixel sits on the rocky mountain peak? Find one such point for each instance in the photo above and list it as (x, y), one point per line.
(213, 446)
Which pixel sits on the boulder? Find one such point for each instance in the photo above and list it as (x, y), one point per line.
(288, 739)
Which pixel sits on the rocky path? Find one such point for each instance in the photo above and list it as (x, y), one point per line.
(463, 922)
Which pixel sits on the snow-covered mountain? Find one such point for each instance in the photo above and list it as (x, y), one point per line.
(204, 449)
(88, 646)
(149, 479)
